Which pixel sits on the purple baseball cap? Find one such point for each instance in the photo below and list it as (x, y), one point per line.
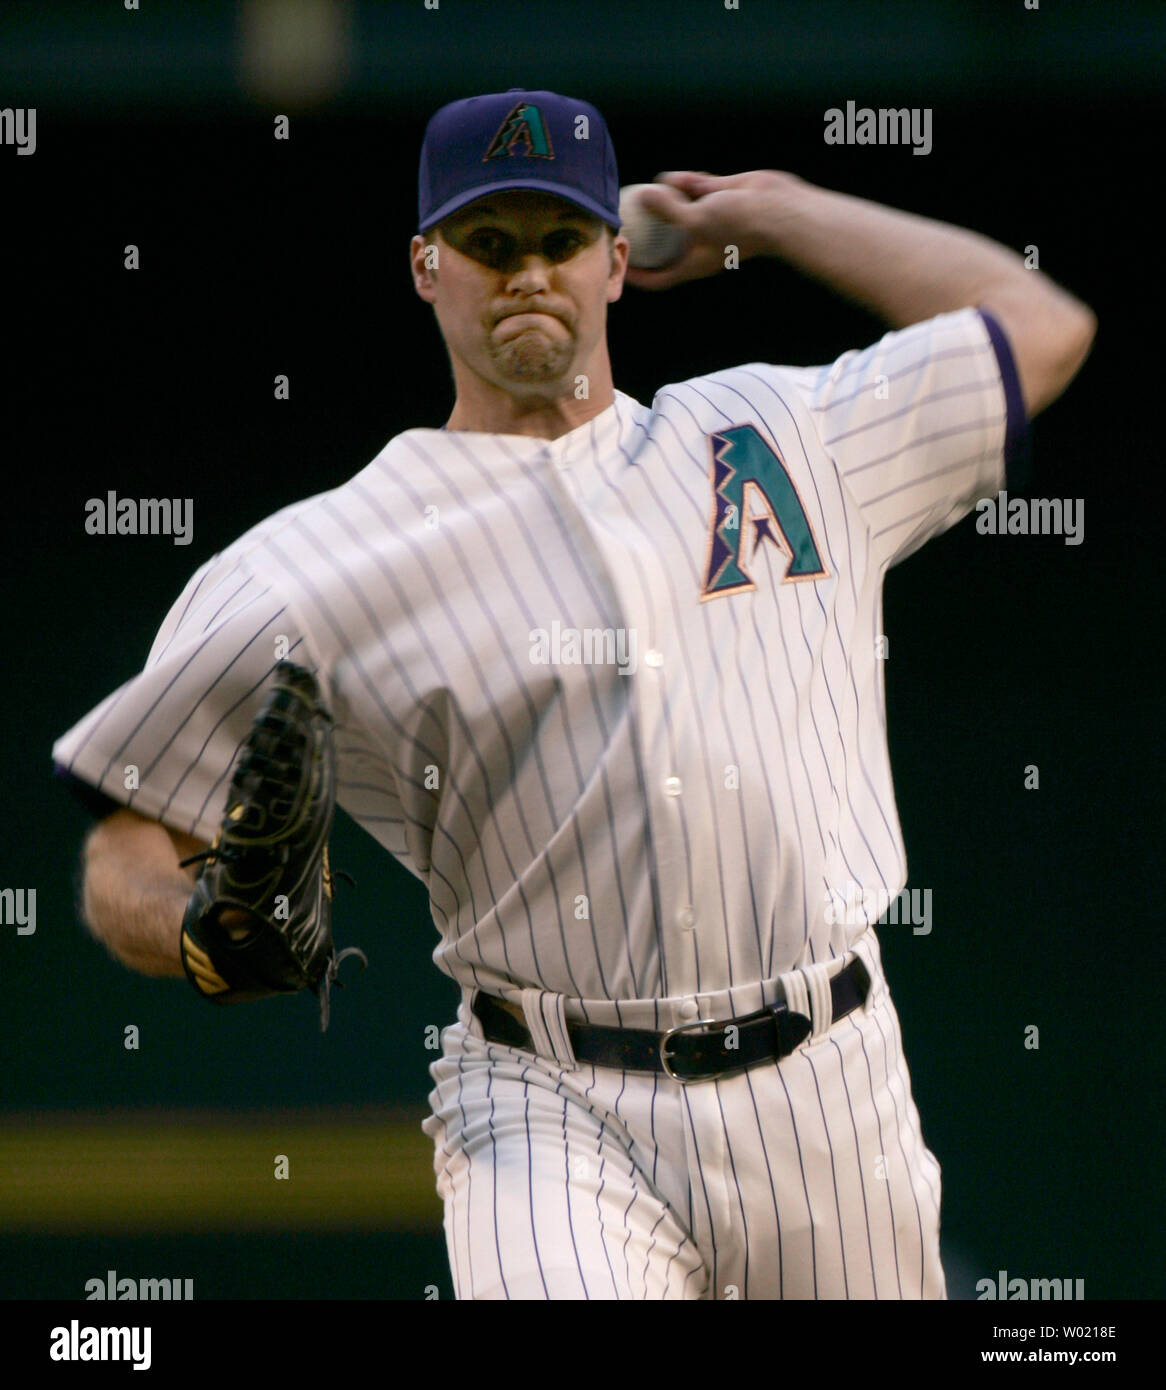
(517, 139)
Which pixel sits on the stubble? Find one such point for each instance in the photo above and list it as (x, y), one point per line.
(532, 356)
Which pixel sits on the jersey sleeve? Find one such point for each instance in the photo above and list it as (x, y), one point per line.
(921, 425)
(164, 743)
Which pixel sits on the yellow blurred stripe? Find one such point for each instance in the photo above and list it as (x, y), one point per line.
(206, 1173)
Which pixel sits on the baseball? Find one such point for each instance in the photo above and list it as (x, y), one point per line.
(654, 242)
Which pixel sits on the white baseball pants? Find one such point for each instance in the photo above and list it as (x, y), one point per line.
(807, 1178)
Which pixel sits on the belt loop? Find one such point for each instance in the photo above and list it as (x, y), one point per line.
(821, 1000)
(546, 1022)
(795, 993)
(807, 992)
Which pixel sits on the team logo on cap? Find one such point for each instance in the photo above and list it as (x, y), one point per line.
(524, 125)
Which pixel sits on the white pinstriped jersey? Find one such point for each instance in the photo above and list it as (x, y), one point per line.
(676, 814)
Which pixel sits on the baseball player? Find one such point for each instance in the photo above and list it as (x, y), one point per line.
(605, 676)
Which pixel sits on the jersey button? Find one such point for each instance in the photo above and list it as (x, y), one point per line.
(689, 1008)
(654, 657)
(672, 786)
(686, 917)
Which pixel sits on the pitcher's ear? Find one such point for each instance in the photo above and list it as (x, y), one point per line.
(424, 255)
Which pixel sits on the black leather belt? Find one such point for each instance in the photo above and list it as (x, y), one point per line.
(696, 1051)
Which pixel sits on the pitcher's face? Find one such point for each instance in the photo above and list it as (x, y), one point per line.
(522, 287)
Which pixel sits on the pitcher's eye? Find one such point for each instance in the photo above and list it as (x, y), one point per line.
(489, 245)
(561, 246)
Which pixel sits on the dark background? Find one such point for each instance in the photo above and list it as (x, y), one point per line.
(261, 257)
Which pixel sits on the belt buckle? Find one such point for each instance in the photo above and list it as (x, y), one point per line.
(688, 1028)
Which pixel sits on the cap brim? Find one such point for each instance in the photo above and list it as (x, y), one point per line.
(471, 195)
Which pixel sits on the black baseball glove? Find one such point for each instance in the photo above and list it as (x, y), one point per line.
(258, 922)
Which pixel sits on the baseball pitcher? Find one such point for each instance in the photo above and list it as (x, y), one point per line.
(605, 676)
